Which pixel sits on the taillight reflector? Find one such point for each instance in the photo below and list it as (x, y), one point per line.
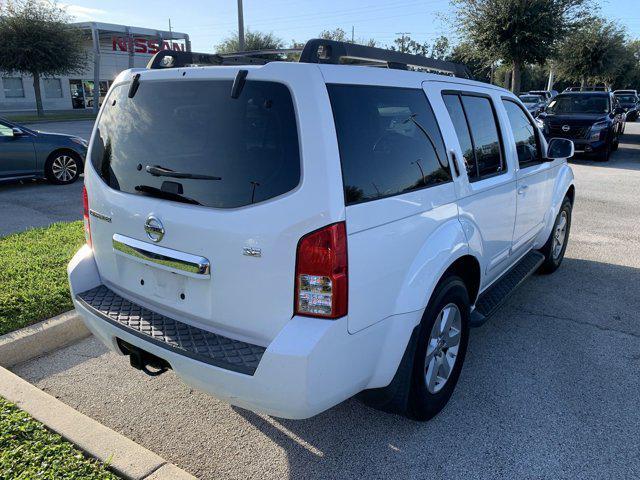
(85, 216)
(321, 281)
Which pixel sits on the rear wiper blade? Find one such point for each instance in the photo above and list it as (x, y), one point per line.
(156, 192)
(158, 171)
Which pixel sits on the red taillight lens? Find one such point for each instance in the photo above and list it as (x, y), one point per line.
(85, 216)
(321, 273)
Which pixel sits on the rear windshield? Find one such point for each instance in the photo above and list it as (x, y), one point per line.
(236, 151)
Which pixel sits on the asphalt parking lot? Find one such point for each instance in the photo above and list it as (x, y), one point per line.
(37, 203)
(550, 388)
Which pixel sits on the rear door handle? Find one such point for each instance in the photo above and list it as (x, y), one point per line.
(522, 189)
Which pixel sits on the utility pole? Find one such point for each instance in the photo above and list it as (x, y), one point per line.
(240, 27)
(551, 78)
(170, 34)
(403, 39)
(352, 34)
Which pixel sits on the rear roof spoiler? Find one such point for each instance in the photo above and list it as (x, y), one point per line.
(315, 51)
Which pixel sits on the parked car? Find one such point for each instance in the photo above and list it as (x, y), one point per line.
(546, 94)
(534, 103)
(625, 92)
(593, 120)
(27, 153)
(588, 88)
(630, 103)
(287, 236)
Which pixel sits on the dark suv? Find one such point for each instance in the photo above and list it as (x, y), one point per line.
(630, 103)
(593, 120)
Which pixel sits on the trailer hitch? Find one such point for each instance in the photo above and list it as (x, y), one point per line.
(142, 360)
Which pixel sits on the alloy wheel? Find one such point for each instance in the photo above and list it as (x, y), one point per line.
(559, 235)
(442, 349)
(64, 168)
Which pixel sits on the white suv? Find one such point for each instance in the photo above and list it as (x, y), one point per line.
(285, 236)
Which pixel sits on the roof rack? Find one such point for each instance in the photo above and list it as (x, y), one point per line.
(180, 59)
(319, 50)
(316, 50)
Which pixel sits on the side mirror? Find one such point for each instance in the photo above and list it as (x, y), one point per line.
(560, 148)
(17, 132)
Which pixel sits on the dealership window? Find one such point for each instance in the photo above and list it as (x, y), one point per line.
(52, 88)
(13, 87)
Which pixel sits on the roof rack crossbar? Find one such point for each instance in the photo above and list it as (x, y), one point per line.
(320, 50)
(179, 59)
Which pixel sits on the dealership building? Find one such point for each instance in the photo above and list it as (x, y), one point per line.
(110, 50)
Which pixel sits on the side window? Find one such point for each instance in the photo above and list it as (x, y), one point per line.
(389, 141)
(474, 120)
(484, 132)
(524, 134)
(5, 130)
(456, 112)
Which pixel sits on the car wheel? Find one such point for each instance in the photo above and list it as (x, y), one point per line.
(605, 155)
(63, 168)
(555, 247)
(441, 347)
(423, 383)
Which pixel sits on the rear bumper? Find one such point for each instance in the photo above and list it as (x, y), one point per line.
(310, 366)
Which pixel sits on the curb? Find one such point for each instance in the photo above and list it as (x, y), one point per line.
(125, 457)
(41, 338)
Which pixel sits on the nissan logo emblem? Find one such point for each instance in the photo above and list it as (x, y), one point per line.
(154, 228)
(566, 128)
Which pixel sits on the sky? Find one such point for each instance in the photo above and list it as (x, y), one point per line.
(208, 22)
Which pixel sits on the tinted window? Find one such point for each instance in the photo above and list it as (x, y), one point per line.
(579, 103)
(389, 141)
(195, 127)
(462, 130)
(524, 135)
(484, 133)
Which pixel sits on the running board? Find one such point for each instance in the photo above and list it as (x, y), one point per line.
(490, 300)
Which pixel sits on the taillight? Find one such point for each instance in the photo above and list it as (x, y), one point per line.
(85, 216)
(321, 273)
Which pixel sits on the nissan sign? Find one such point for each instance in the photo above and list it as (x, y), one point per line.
(143, 45)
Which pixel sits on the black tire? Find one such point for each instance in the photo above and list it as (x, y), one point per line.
(605, 155)
(71, 165)
(616, 141)
(407, 394)
(552, 262)
(423, 404)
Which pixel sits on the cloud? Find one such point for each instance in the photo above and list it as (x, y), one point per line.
(84, 13)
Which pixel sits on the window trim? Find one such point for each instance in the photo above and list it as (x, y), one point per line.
(503, 157)
(390, 87)
(536, 131)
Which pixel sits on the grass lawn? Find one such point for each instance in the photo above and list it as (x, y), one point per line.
(28, 450)
(50, 117)
(33, 274)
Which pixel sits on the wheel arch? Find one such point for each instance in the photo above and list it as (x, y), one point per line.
(468, 269)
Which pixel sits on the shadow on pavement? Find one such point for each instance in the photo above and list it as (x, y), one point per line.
(522, 408)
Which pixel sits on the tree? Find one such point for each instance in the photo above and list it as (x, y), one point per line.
(340, 35)
(479, 66)
(405, 44)
(441, 48)
(37, 40)
(517, 32)
(252, 41)
(596, 52)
